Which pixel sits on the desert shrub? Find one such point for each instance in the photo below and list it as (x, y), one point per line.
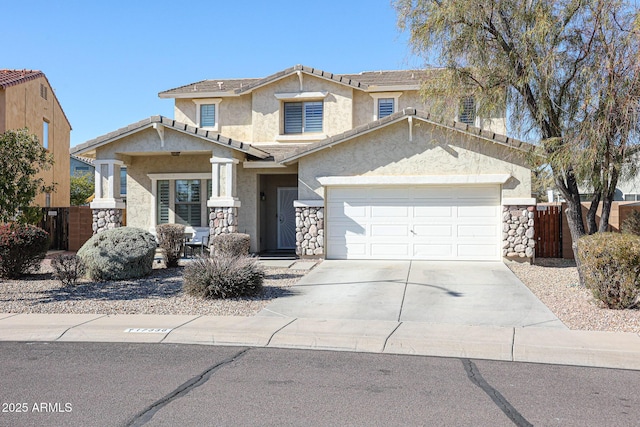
(231, 245)
(631, 224)
(22, 249)
(68, 268)
(118, 254)
(223, 277)
(171, 241)
(610, 266)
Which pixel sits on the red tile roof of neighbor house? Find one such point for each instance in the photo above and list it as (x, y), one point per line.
(14, 77)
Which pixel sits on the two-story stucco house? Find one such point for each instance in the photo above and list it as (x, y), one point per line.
(340, 166)
(28, 101)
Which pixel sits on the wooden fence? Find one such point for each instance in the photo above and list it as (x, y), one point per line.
(548, 231)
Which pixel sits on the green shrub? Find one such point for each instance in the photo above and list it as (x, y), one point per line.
(231, 245)
(631, 224)
(223, 277)
(22, 249)
(118, 254)
(68, 268)
(610, 266)
(171, 241)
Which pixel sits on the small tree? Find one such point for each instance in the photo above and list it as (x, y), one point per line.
(22, 158)
(82, 187)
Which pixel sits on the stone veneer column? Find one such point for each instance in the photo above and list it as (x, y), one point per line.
(309, 231)
(518, 232)
(223, 220)
(106, 219)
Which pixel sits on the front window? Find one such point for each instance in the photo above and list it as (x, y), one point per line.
(303, 117)
(468, 111)
(207, 115)
(188, 209)
(123, 182)
(385, 107)
(183, 201)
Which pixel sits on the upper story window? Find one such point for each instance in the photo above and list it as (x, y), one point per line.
(43, 91)
(385, 107)
(303, 117)
(208, 113)
(468, 111)
(45, 134)
(384, 104)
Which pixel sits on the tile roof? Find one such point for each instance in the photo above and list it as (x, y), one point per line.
(14, 77)
(402, 115)
(85, 160)
(364, 81)
(210, 136)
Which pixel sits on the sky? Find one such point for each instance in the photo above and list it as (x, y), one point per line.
(108, 60)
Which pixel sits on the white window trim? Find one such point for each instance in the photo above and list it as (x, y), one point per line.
(301, 96)
(376, 96)
(172, 177)
(205, 101)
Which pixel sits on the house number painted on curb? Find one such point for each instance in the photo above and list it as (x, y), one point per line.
(148, 330)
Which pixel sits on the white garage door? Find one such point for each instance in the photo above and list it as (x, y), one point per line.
(424, 222)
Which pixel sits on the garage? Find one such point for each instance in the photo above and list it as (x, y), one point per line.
(428, 222)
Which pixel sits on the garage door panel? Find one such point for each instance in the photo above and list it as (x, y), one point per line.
(477, 251)
(433, 230)
(433, 251)
(423, 222)
(386, 250)
(381, 211)
(477, 230)
(433, 211)
(477, 211)
(389, 230)
(339, 231)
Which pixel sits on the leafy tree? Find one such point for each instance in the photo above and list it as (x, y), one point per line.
(566, 69)
(22, 158)
(82, 187)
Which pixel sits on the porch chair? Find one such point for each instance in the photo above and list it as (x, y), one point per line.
(198, 241)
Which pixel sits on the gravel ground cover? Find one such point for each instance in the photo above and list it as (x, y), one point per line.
(158, 293)
(555, 283)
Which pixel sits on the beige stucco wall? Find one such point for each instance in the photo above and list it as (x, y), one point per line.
(22, 106)
(234, 119)
(338, 106)
(433, 151)
(148, 141)
(143, 154)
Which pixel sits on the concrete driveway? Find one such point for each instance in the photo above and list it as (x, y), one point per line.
(467, 293)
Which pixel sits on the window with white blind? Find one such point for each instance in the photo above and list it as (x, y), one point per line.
(386, 107)
(188, 208)
(303, 117)
(468, 111)
(183, 201)
(207, 115)
(163, 202)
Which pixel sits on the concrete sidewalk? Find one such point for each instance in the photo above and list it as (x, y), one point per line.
(521, 344)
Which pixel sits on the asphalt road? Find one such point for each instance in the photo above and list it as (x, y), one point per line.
(99, 384)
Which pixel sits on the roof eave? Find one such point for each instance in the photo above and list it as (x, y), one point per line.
(196, 95)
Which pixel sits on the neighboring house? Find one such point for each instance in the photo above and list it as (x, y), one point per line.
(341, 166)
(27, 100)
(81, 165)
